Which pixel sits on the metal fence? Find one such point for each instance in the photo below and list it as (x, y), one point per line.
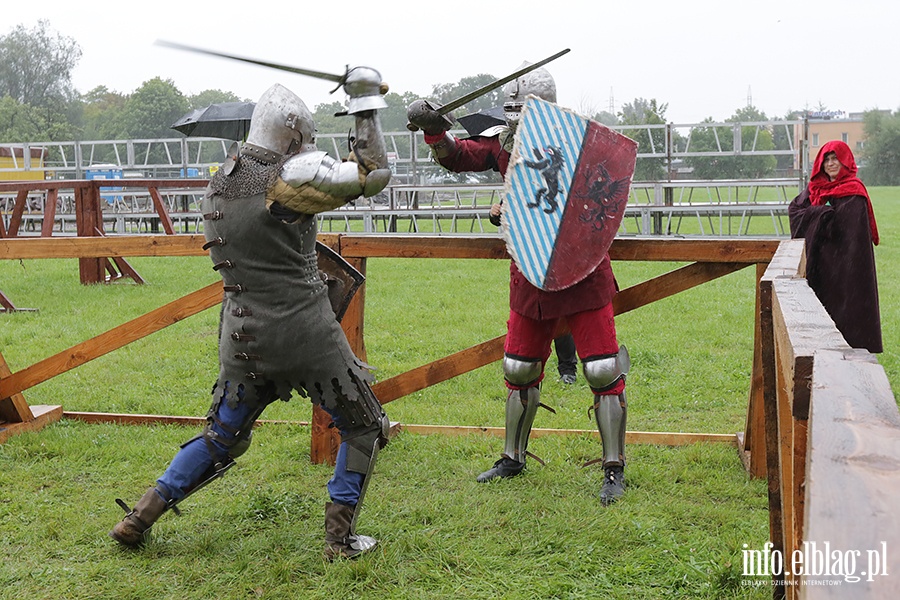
(425, 198)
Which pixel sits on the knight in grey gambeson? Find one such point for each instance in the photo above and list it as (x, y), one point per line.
(278, 332)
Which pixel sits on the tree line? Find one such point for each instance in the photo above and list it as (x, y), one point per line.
(38, 103)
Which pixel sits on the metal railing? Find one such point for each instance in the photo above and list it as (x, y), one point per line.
(415, 202)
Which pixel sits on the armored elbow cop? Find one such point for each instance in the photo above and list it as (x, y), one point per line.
(313, 182)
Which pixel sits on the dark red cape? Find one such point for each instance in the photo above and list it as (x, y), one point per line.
(840, 264)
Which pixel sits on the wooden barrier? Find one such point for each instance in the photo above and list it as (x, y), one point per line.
(822, 423)
(708, 260)
(89, 217)
(833, 443)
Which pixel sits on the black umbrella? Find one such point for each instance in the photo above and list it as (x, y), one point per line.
(226, 120)
(476, 123)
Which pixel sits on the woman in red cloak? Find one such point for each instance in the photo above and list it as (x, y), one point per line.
(834, 214)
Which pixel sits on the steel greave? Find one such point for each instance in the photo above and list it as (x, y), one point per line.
(610, 412)
(521, 407)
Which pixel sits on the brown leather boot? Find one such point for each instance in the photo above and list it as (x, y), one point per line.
(340, 542)
(130, 530)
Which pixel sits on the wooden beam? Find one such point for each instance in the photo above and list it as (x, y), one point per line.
(670, 284)
(687, 250)
(160, 207)
(705, 250)
(137, 419)
(385, 246)
(853, 474)
(13, 407)
(101, 247)
(15, 220)
(440, 370)
(754, 440)
(43, 416)
(49, 213)
(112, 340)
(631, 437)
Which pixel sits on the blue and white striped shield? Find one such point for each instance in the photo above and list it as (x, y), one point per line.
(566, 189)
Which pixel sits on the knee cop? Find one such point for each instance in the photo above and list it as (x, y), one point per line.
(363, 424)
(604, 372)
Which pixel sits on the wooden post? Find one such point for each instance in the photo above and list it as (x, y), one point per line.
(89, 223)
(160, 207)
(15, 414)
(324, 438)
(15, 220)
(754, 430)
(49, 212)
(770, 409)
(13, 409)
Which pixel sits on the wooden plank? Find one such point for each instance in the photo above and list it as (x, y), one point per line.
(772, 436)
(160, 207)
(778, 424)
(6, 304)
(49, 213)
(806, 327)
(756, 422)
(670, 284)
(15, 220)
(422, 246)
(788, 261)
(631, 437)
(439, 370)
(355, 246)
(709, 250)
(853, 476)
(13, 408)
(113, 339)
(126, 269)
(43, 416)
(101, 247)
(687, 250)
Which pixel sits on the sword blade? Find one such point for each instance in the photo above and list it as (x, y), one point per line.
(262, 63)
(492, 86)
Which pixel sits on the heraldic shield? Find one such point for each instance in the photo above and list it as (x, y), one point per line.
(566, 190)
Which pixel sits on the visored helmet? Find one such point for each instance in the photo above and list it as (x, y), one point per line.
(281, 125)
(538, 83)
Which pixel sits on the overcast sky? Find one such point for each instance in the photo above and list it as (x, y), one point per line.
(704, 58)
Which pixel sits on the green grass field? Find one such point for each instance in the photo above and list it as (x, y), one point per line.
(258, 533)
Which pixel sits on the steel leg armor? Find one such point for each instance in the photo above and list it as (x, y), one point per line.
(521, 407)
(603, 373)
(521, 404)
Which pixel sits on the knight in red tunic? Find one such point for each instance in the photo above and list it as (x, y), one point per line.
(535, 314)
